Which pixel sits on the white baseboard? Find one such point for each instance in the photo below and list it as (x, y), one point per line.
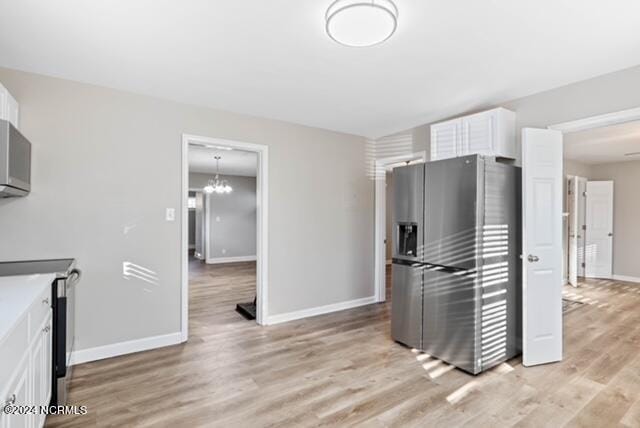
(626, 278)
(320, 310)
(237, 259)
(122, 348)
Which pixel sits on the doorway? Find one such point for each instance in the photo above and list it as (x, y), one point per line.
(602, 163)
(544, 158)
(224, 221)
(383, 216)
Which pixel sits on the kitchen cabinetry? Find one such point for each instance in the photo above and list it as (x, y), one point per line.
(9, 108)
(26, 350)
(490, 133)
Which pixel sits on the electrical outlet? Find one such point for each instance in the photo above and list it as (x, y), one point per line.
(171, 214)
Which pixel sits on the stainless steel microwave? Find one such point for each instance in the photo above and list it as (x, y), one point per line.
(15, 162)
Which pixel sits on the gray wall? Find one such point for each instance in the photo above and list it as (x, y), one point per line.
(577, 168)
(232, 217)
(90, 201)
(604, 94)
(626, 213)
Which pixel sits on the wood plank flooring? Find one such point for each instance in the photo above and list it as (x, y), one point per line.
(343, 369)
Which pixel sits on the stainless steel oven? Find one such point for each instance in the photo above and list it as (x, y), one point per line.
(63, 297)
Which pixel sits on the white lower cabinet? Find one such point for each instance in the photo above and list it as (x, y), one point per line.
(41, 367)
(19, 395)
(30, 383)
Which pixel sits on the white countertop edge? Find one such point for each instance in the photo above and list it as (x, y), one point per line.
(17, 293)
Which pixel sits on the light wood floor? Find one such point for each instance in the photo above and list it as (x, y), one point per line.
(343, 369)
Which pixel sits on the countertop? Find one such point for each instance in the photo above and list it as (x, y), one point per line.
(17, 293)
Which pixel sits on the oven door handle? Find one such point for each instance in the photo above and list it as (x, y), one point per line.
(74, 277)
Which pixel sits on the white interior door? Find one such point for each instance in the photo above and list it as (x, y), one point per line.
(599, 233)
(582, 223)
(542, 246)
(572, 204)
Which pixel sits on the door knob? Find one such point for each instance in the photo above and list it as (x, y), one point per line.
(532, 258)
(610, 234)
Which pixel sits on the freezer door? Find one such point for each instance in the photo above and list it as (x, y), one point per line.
(406, 304)
(451, 319)
(451, 211)
(408, 231)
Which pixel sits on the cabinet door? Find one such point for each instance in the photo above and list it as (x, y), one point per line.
(445, 138)
(13, 110)
(479, 134)
(19, 395)
(47, 362)
(4, 113)
(41, 362)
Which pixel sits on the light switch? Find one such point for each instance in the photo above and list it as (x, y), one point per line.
(218, 219)
(171, 214)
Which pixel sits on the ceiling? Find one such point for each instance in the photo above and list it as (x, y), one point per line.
(604, 145)
(232, 162)
(273, 59)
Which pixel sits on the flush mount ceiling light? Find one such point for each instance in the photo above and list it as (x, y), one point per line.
(360, 23)
(216, 185)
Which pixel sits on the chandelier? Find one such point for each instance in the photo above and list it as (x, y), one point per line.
(216, 185)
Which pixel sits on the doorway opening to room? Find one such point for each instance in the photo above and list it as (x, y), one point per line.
(601, 233)
(223, 234)
(384, 208)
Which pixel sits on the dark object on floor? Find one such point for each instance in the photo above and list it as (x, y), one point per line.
(569, 305)
(247, 310)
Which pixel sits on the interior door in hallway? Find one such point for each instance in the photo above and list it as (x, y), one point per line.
(572, 205)
(599, 233)
(542, 246)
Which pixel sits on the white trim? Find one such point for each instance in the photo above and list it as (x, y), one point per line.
(122, 348)
(262, 227)
(598, 121)
(380, 229)
(219, 260)
(320, 310)
(626, 278)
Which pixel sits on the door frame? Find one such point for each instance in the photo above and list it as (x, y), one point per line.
(571, 257)
(262, 219)
(598, 121)
(380, 218)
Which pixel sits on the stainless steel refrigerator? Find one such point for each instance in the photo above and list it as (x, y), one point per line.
(456, 277)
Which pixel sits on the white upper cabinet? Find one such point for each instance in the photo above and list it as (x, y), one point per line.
(490, 133)
(445, 138)
(9, 108)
